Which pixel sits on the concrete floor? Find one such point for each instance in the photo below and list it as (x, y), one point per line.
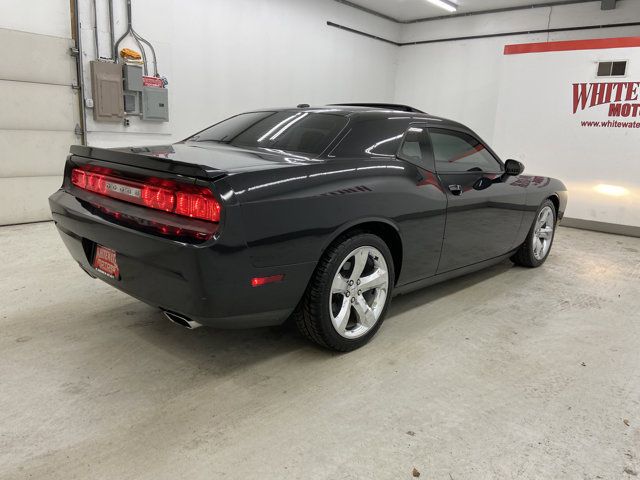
(508, 373)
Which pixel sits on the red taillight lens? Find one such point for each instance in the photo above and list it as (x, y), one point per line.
(158, 198)
(197, 206)
(96, 183)
(185, 200)
(78, 178)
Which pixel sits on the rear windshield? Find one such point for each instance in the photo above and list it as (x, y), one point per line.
(301, 132)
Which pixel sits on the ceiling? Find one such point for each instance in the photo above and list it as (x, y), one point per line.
(406, 10)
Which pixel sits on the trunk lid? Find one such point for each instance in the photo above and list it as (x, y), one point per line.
(203, 160)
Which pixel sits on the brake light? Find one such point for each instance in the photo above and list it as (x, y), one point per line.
(158, 198)
(197, 206)
(186, 200)
(78, 178)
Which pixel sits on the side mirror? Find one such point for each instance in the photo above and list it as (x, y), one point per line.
(513, 168)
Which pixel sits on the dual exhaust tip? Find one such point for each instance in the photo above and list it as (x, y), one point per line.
(182, 320)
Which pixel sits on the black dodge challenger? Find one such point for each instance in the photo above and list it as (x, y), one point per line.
(315, 214)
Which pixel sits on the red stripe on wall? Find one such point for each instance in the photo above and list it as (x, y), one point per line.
(593, 44)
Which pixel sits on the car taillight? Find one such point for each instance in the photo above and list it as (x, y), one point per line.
(185, 200)
(197, 206)
(158, 198)
(78, 178)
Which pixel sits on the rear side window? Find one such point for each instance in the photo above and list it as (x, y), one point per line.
(291, 131)
(416, 148)
(459, 152)
(380, 137)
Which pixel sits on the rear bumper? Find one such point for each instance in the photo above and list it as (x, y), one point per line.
(209, 282)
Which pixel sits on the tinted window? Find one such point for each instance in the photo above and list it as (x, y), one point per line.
(459, 152)
(230, 128)
(416, 148)
(372, 137)
(303, 132)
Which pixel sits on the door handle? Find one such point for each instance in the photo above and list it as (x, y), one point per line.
(455, 189)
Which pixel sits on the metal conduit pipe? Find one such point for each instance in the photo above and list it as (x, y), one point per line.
(96, 40)
(138, 39)
(80, 73)
(114, 54)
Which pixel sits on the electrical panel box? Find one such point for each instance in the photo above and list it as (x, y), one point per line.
(130, 102)
(106, 84)
(132, 77)
(155, 104)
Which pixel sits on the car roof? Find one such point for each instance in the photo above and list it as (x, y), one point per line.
(359, 112)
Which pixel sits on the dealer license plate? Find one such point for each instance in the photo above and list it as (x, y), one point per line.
(105, 262)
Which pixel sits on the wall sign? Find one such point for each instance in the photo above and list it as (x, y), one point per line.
(616, 104)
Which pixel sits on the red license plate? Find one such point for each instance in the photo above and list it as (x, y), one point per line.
(105, 262)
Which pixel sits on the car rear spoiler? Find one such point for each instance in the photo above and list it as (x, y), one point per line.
(149, 158)
(384, 106)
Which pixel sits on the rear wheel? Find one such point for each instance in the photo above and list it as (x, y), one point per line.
(349, 293)
(535, 250)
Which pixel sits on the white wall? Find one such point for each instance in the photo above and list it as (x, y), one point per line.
(461, 79)
(536, 124)
(226, 56)
(520, 112)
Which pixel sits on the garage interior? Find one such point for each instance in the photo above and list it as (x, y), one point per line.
(505, 373)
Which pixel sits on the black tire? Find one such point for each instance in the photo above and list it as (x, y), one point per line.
(525, 256)
(312, 316)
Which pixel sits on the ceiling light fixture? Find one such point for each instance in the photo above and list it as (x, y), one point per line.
(446, 4)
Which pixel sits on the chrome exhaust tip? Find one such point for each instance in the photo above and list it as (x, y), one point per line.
(182, 320)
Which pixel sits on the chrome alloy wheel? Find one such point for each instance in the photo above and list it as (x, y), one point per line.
(543, 233)
(359, 292)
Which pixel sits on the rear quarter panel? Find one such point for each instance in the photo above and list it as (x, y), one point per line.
(292, 215)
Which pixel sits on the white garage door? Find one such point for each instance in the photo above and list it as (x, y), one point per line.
(38, 116)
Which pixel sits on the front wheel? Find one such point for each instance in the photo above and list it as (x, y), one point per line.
(349, 293)
(535, 249)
